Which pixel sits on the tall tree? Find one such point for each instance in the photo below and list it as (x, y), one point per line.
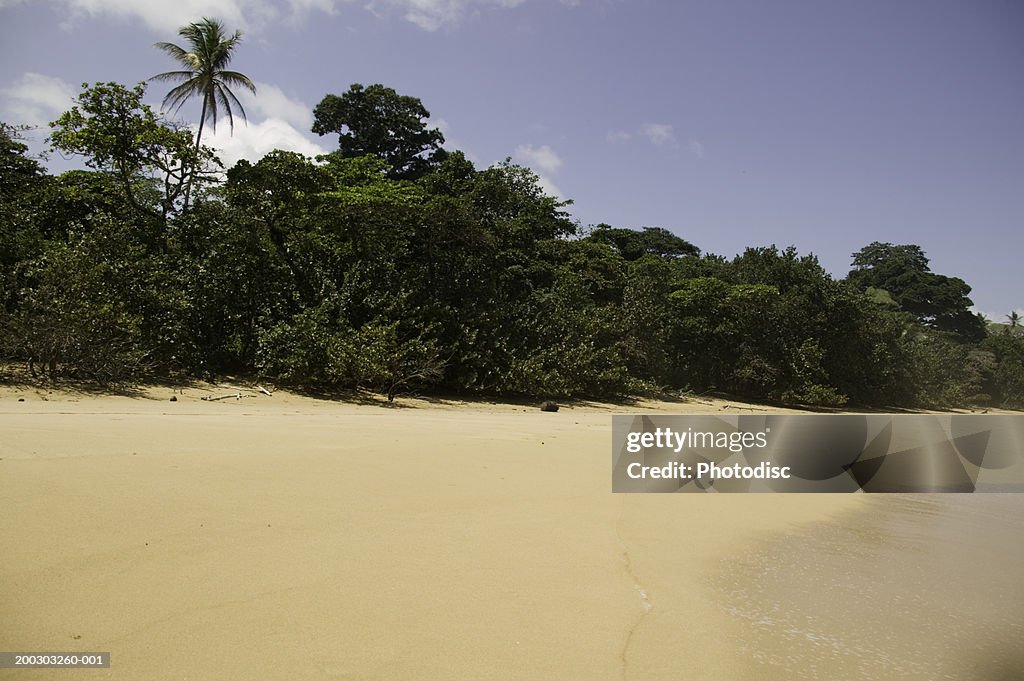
(205, 75)
(115, 132)
(377, 120)
(1014, 319)
(631, 244)
(902, 271)
(22, 182)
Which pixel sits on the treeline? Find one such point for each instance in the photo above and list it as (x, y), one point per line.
(394, 265)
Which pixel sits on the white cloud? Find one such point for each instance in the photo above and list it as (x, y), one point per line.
(272, 102)
(167, 17)
(452, 143)
(164, 16)
(275, 121)
(696, 148)
(325, 6)
(545, 162)
(660, 134)
(35, 99)
(255, 140)
(997, 317)
(543, 158)
(430, 15)
(442, 125)
(549, 187)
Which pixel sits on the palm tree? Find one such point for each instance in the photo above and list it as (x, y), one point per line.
(1014, 319)
(205, 75)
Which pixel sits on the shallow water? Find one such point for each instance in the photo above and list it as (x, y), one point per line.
(909, 587)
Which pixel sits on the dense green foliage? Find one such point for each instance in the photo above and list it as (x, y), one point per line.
(936, 300)
(394, 267)
(377, 121)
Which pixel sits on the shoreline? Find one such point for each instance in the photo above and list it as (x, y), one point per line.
(905, 586)
(196, 391)
(156, 397)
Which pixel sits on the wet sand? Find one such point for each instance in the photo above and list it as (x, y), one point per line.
(285, 538)
(915, 587)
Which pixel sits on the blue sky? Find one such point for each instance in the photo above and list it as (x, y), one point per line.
(822, 124)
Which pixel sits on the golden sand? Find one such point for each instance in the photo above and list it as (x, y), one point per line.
(287, 537)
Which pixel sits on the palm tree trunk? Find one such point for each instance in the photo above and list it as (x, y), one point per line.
(199, 136)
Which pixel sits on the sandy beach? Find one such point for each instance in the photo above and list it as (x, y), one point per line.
(288, 537)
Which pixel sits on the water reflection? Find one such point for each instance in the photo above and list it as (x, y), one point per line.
(910, 587)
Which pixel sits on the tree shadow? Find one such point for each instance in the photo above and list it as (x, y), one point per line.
(348, 396)
(18, 376)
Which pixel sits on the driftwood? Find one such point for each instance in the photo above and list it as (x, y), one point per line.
(257, 389)
(212, 398)
(238, 393)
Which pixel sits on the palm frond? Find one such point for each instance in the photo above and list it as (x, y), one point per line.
(231, 104)
(179, 95)
(187, 59)
(173, 75)
(208, 52)
(236, 78)
(173, 50)
(212, 113)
